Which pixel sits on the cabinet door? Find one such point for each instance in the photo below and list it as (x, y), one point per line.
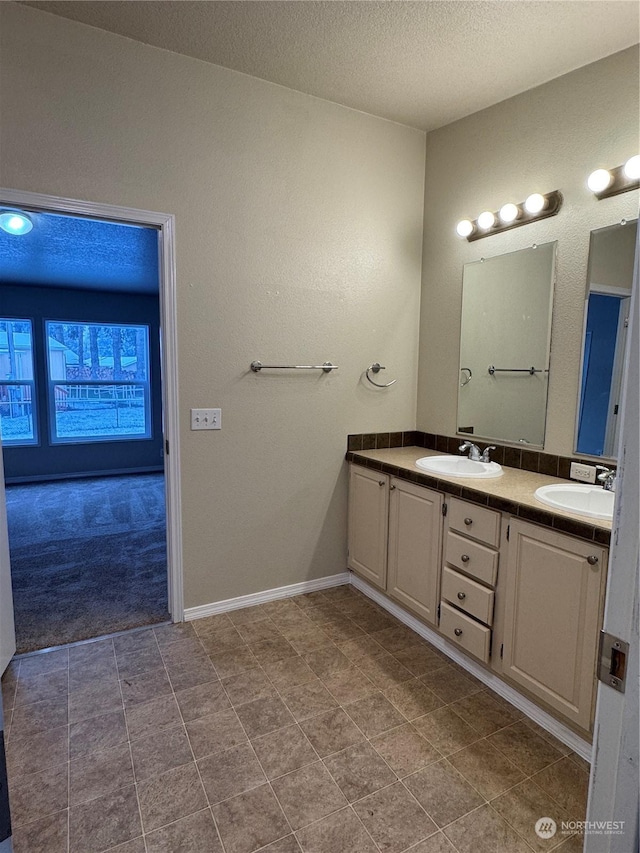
(553, 594)
(415, 525)
(368, 512)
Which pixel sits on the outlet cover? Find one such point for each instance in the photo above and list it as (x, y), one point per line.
(584, 473)
(206, 418)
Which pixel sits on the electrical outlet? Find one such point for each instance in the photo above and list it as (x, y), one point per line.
(206, 418)
(584, 473)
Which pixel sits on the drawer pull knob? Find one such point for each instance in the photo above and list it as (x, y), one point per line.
(462, 596)
(381, 482)
(465, 558)
(468, 521)
(391, 488)
(592, 559)
(457, 632)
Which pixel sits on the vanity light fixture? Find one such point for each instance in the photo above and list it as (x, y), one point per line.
(15, 222)
(607, 182)
(510, 215)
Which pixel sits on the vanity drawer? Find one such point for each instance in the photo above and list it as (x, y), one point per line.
(475, 521)
(468, 595)
(465, 632)
(471, 558)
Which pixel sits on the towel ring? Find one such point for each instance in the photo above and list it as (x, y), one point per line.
(467, 379)
(376, 368)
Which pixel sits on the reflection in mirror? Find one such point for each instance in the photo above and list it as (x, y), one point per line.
(504, 345)
(609, 280)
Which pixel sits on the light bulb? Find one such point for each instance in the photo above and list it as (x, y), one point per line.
(14, 222)
(509, 212)
(599, 180)
(632, 168)
(486, 220)
(534, 203)
(464, 228)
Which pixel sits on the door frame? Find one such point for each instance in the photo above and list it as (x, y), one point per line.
(165, 222)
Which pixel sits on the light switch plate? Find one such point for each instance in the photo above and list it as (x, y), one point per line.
(206, 418)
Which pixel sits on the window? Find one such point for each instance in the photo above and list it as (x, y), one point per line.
(98, 381)
(17, 389)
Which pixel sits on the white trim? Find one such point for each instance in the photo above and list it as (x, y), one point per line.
(546, 721)
(165, 222)
(254, 598)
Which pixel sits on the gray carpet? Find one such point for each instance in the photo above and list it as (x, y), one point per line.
(88, 557)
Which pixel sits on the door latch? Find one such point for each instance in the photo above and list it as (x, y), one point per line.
(612, 661)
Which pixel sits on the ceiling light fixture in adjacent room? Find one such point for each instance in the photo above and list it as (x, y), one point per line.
(15, 222)
(510, 215)
(607, 182)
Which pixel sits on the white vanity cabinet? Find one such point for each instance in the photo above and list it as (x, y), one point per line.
(553, 596)
(395, 535)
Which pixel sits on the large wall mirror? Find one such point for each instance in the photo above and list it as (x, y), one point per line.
(609, 281)
(504, 345)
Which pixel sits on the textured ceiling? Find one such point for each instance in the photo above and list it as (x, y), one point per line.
(423, 63)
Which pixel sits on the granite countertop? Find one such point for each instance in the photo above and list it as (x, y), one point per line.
(513, 492)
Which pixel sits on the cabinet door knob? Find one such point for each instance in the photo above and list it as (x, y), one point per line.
(457, 632)
(462, 596)
(465, 558)
(592, 559)
(391, 488)
(468, 521)
(381, 482)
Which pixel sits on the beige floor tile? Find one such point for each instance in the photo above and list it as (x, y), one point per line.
(543, 733)
(104, 822)
(342, 629)
(326, 660)
(29, 720)
(234, 661)
(361, 647)
(261, 629)
(40, 752)
(167, 635)
(438, 843)
(288, 844)
(446, 730)
(522, 806)
(138, 662)
(47, 685)
(371, 620)
(385, 671)
(99, 673)
(349, 685)
(151, 717)
(229, 773)
(186, 674)
(487, 769)
(171, 796)
(375, 714)
(134, 641)
(100, 773)
(143, 688)
(193, 834)
(567, 784)
(413, 698)
(330, 732)
(524, 748)
(450, 684)
(278, 648)
(182, 650)
(307, 640)
(97, 733)
(39, 794)
(217, 622)
(308, 794)
(39, 664)
(250, 821)
(484, 831)
(341, 832)
(136, 845)
(247, 686)
(292, 672)
(264, 715)
(246, 614)
(443, 792)
(221, 641)
(394, 819)
(359, 771)
(215, 733)
(419, 659)
(405, 750)
(94, 701)
(486, 714)
(397, 638)
(202, 700)
(309, 699)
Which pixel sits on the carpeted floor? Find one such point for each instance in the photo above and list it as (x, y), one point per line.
(88, 557)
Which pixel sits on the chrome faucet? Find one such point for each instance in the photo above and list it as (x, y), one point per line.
(487, 451)
(474, 451)
(607, 477)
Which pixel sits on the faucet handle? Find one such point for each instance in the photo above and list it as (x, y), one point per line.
(607, 476)
(487, 451)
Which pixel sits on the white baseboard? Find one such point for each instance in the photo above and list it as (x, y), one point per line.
(529, 708)
(254, 598)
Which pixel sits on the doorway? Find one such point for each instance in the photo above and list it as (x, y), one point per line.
(104, 431)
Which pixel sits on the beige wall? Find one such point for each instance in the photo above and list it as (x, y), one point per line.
(549, 138)
(299, 234)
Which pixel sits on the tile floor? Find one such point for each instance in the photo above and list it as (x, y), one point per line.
(316, 724)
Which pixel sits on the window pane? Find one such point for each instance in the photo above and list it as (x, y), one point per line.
(100, 411)
(85, 351)
(16, 414)
(16, 399)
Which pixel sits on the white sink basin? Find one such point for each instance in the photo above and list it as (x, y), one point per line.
(593, 501)
(459, 466)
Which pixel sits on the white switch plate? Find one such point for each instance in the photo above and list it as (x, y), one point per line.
(206, 418)
(584, 473)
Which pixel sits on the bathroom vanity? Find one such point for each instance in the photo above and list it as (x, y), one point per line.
(514, 585)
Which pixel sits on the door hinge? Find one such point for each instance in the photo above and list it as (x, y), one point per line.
(612, 661)
(444, 509)
(508, 529)
(501, 651)
(438, 613)
(166, 446)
